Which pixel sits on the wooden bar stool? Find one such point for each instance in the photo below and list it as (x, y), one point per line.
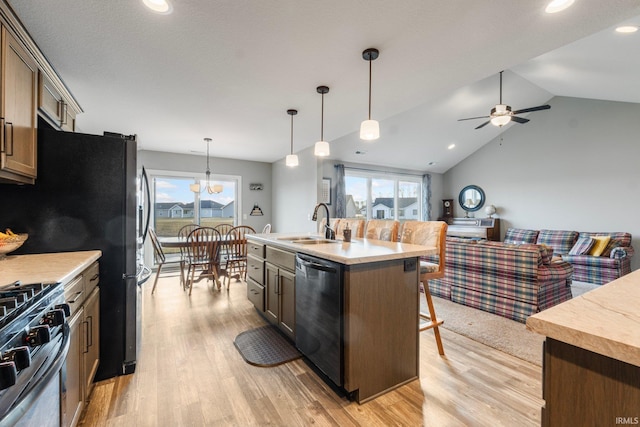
(429, 233)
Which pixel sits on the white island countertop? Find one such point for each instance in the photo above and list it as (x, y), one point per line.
(605, 320)
(45, 268)
(358, 251)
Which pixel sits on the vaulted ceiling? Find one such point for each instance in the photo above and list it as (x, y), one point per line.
(229, 70)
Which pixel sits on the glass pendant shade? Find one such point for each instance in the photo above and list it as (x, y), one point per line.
(215, 189)
(291, 160)
(322, 149)
(195, 188)
(369, 130)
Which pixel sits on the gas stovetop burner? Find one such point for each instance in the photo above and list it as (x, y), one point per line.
(16, 298)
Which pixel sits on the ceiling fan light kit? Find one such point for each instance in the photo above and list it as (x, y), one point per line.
(370, 129)
(322, 148)
(502, 114)
(292, 159)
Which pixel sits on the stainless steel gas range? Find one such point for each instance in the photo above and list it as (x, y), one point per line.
(34, 342)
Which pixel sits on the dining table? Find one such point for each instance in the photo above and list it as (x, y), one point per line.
(178, 242)
(175, 242)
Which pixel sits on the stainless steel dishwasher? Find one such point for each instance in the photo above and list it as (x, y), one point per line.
(319, 318)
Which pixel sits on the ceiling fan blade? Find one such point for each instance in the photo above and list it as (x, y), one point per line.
(519, 119)
(473, 118)
(484, 124)
(528, 110)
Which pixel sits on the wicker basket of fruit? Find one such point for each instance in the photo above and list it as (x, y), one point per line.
(10, 241)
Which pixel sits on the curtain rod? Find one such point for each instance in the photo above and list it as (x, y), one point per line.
(379, 171)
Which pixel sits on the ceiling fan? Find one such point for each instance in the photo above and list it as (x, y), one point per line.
(502, 114)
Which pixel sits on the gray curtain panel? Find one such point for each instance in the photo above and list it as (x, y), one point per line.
(341, 206)
(426, 201)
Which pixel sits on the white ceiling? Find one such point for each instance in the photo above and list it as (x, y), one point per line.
(230, 69)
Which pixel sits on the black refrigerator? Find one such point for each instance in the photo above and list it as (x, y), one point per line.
(85, 198)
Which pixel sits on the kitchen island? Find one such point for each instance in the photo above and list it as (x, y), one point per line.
(379, 305)
(591, 363)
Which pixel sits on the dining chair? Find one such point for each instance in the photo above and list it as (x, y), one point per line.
(382, 229)
(183, 233)
(266, 229)
(224, 229)
(236, 261)
(434, 234)
(159, 256)
(203, 253)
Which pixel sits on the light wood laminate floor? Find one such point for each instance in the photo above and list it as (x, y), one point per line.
(190, 374)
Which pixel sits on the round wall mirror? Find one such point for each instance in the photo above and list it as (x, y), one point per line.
(471, 198)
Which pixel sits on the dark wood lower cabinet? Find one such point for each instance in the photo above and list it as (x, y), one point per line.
(280, 304)
(583, 388)
(83, 296)
(73, 398)
(91, 350)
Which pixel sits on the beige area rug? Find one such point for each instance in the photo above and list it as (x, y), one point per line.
(495, 331)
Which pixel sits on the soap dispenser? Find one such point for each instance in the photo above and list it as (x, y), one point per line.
(346, 233)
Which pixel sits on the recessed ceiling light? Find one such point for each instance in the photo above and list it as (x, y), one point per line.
(431, 163)
(452, 146)
(558, 5)
(361, 152)
(627, 29)
(159, 6)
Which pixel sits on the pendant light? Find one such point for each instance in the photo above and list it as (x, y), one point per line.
(292, 159)
(211, 189)
(322, 147)
(370, 129)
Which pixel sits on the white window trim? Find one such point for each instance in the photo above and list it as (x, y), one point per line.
(197, 177)
(396, 177)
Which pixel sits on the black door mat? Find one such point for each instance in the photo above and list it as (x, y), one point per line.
(265, 346)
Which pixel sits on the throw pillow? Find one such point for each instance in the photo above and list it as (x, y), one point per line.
(613, 243)
(582, 246)
(546, 253)
(520, 235)
(599, 245)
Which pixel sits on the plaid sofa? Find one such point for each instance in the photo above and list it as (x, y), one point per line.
(511, 280)
(609, 266)
(614, 262)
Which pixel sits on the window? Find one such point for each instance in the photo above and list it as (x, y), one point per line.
(380, 195)
(175, 205)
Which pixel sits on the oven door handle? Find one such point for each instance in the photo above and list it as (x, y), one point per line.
(18, 411)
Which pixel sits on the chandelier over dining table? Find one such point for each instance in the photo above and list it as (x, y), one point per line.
(211, 189)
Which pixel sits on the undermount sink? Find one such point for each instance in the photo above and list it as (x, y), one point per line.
(291, 238)
(308, 241)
